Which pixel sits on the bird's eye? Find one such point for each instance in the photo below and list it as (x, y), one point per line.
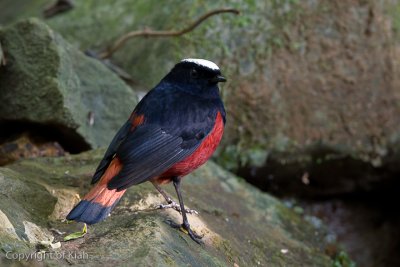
(194, 73)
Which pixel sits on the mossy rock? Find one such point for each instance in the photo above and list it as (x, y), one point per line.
(48, 82)
(240, 224)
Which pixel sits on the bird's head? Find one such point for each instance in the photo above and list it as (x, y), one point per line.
(198, 76)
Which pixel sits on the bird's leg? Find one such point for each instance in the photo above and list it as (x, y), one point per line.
(171, 203)
(163, 193)
(185, 224)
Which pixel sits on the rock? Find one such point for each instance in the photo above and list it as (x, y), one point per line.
(50, 85)
(36, 234)
(309, 82)
(241, 225)
(6, 228)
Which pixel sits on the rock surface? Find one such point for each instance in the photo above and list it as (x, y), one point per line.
(313, 81)
(240, 224)
(48, 84)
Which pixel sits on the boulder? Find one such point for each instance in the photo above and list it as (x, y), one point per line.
(241, 225)
(48, 85)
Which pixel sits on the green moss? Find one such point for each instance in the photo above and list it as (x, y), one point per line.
(343, 260)
(232, 157)
(394, 13)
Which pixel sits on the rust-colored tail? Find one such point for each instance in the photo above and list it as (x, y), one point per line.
(98, 203)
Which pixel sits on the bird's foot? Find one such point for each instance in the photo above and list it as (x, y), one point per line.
(187, 230)
(195, 237)
(175, 206)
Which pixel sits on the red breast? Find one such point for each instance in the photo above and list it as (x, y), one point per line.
(200, 155)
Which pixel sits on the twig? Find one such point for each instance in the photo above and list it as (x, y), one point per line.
(150, 33)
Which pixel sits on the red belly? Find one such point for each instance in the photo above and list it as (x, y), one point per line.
(200, 155)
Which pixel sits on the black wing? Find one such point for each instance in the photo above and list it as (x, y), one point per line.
(111, 150)
(148, 152)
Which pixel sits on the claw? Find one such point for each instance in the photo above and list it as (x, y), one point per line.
(195, 237)
(175, 206)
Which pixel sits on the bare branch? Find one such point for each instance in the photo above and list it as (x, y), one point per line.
(150, 33)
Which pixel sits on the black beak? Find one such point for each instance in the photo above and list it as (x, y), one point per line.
(217, 79)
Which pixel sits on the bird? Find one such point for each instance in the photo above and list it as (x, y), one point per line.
(174, 129)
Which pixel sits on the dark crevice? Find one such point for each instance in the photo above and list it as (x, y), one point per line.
(66, 137)
(324, 174)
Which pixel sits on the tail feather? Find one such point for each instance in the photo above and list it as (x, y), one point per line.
(90, 212)
(99, 202)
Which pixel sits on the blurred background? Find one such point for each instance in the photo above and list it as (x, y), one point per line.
(312, 98)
